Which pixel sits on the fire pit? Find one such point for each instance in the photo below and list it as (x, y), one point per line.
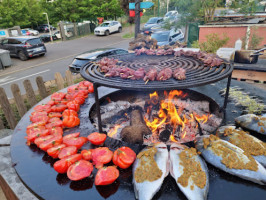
(197, 74)
(159, 116)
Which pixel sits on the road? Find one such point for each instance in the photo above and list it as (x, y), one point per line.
(59, 56)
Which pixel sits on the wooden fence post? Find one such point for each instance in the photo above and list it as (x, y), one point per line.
(30, 92)
(59, 81)
(41, 87)
(1, 124)
(7, 109)
(19, 100)
(69, 78)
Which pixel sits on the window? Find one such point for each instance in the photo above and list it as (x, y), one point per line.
(120, 51)
(13, 41)
(5, 41)
(34, 41)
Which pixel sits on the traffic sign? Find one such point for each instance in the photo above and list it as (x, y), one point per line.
(143, 5)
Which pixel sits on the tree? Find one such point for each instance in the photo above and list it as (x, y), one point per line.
(22, 13)
(245, 6)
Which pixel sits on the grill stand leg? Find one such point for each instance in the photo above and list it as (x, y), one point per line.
(96, 95)
(223, 109)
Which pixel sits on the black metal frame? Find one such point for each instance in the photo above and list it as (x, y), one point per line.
(102, 81)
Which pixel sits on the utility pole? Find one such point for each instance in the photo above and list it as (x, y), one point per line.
(137, 17)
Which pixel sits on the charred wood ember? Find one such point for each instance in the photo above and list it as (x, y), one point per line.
(164, 74)
(137, 129)
(150, 75)
(164, 133)
(179, 74)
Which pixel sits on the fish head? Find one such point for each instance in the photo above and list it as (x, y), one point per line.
(161, 147)
(177, 147)
(199, 144)
(246, 119)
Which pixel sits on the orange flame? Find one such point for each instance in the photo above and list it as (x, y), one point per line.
(154, 98)
(113, 130)
(172, 138)
(168, 114)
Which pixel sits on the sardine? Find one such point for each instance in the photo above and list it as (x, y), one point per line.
(191, 191)
(258, 176)
(147, 189)
(258, 145)
(253, 122)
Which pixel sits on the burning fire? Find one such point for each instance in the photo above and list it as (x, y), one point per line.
(169, 114)
(113, 130)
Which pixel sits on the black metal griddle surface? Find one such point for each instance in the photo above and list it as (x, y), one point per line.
(34, 167)
(196, 73)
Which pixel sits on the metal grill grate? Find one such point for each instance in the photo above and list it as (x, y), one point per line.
(197, 74)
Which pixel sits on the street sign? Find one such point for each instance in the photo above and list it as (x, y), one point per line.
(143, 5)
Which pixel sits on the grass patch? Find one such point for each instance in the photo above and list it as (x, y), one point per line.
(128, 35)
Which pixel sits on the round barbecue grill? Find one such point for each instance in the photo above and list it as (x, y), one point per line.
(196, 73)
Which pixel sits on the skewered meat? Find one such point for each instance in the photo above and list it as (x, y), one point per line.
(126, 73)
(179, 74)
(164, 74)
(138, 74)
(151, 75)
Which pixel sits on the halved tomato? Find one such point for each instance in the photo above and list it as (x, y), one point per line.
(71, 121)
(101, 156)
(58, 96)
(80, 100)
(87, 154)
(54, 119)
(68, 112)
(67, 151)
(91, 89)
(33, 135)
(55, 130)
(75, 141)
(44, 107)
(61, 166)
(40, 140)
(124, 157)
(97, 138)
(72, 88)
(33, 129)
(54, 151)
(58, 108)
(72, 105)
(55, 140)
(54, 114)
(106, 175)
(71, 135)
(58, 123)
(36, 124)
(79, 170)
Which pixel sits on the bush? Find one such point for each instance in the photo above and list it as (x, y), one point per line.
(213, 43)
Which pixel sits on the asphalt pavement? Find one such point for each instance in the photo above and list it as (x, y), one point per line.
(59, 55)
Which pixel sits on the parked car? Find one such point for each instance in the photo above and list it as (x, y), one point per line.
(108, 27)
(154, 21)
(29, 31)
(171, 14)
(47, 38)
(45, 28)
(82, 59)
(23, 47)
(67, 33)
(168, 37)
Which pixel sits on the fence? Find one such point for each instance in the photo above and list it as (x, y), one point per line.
(14, 109)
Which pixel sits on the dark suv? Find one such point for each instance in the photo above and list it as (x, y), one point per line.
(44, 28)
(23, 47)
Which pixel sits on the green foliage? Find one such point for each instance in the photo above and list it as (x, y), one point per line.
(255, 41)
(24, 13)
(213, 43)
(128, 35)
(195, 44)
(245, 6)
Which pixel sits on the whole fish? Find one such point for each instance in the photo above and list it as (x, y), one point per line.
(184, 174)
(149, 170)
(245, 141)
(231, 159)
(253, 122)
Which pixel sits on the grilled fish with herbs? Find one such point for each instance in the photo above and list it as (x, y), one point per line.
(245, 141)
(189, 171)
(149, 170)
(253, 122)
(231, 159)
